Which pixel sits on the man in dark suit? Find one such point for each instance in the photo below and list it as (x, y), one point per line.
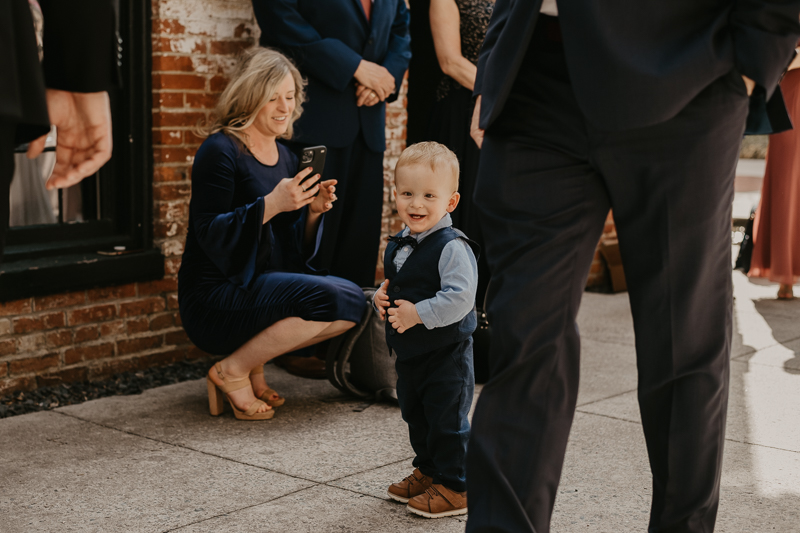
(354, 54)
(637, 106)
(81, 60)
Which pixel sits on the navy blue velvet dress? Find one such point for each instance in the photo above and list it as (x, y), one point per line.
(239, 276)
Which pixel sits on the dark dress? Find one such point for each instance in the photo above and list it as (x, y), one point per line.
(239, 276)
(450, 123)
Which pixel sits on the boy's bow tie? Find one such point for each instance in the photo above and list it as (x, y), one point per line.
(402, 241)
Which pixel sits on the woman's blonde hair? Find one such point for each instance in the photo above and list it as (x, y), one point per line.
(255, 79)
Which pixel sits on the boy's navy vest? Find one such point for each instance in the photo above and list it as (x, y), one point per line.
(419, 280)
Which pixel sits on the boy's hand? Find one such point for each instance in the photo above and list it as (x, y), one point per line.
(382, 299)
(404, 316)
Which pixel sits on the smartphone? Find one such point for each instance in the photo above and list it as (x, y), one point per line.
(314, 157)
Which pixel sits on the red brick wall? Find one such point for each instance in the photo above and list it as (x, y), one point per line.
(89, 334)
(92, 334)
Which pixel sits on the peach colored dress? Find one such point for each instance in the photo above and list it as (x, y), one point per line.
(776, 231)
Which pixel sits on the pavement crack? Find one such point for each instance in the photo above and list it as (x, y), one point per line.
(183, 447)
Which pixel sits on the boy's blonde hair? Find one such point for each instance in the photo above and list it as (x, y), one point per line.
(255, 79)
(438, 156)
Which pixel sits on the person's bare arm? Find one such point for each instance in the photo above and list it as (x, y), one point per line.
(446, 29)
(796, 61)
(475, 130)
(750, 84)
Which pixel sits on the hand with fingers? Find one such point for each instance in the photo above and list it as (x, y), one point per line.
(324, 200)
(83, 125)
(475, 130)
(404, 316)
(381, 299)
(376, 77)
(290, 194)
(366, 96)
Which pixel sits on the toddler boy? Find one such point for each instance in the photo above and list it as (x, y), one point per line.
(429, 298)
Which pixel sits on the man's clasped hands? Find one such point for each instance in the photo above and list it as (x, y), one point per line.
(374, 83)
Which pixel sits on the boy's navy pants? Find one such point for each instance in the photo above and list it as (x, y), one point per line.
(435, 392)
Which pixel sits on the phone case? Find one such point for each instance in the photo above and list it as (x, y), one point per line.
(314, 157)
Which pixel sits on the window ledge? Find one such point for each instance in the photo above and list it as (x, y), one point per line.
(41, 277)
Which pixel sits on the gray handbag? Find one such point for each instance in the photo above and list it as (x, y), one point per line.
(359, 362)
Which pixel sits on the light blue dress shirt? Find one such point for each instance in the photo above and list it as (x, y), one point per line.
(458, 271)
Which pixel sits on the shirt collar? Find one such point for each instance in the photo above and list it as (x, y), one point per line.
(445, 222)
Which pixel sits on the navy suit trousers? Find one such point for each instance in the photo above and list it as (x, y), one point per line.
(435, 392)
(546, 182)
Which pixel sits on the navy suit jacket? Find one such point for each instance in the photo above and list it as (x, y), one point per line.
(327, 39)
(635, 64)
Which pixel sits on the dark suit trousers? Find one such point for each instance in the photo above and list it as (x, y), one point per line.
(546, 182)
(352, 229)
(435, 392)
(7, 130)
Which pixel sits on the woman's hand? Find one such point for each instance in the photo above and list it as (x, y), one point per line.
(324, 201)
(290, 194)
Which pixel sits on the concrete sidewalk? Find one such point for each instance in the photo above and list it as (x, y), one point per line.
(159, 462)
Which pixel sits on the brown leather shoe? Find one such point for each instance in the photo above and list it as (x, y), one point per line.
(304, 367)
(413, 485)
(438, 501)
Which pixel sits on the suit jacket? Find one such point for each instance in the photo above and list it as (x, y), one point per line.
(634, 64)
(327, 39)
(81, 47)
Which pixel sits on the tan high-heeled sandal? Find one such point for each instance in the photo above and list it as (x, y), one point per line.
(218, 393)
(267, 394)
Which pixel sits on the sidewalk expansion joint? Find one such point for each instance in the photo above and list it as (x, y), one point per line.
(761, 445)
(756, 350)
(226, 513)
(623, 393)
(270, 500)
(606, 341)
(183, 447)
(368, 470)
(609, 417)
